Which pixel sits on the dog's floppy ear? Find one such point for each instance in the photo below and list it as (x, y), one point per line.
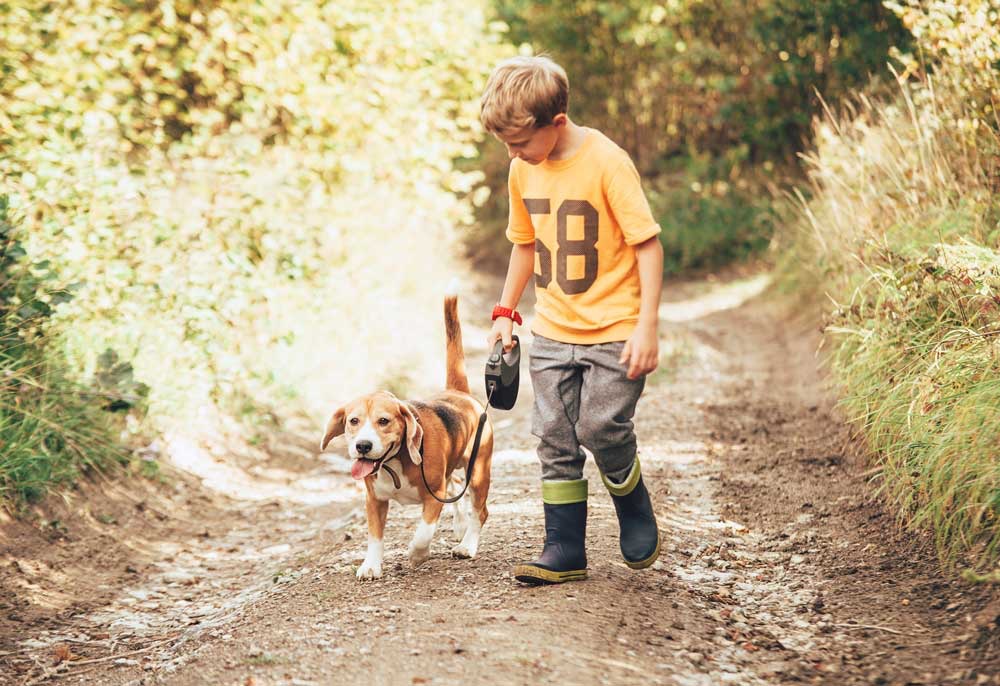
(334, 427)
(414, 433)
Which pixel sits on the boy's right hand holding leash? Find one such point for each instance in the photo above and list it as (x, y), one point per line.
(503, 329)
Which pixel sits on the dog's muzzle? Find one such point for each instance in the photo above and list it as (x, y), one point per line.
(363, 467)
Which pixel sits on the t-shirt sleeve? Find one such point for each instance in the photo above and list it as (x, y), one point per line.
(629, 206)
(519, 226)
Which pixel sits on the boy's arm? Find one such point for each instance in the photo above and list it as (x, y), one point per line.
(642, 350)
(519, 271)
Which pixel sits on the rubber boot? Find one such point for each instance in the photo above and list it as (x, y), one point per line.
(564, 557)
(639, 537)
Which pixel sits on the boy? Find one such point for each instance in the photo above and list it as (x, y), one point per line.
(581, 225)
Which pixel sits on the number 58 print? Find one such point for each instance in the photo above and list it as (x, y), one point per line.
(565, 248)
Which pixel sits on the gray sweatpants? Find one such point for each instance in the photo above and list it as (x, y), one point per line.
(582, 397)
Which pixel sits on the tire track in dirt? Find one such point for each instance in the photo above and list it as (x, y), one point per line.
(776, 567)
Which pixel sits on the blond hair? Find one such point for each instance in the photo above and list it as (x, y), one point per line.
(523, 92)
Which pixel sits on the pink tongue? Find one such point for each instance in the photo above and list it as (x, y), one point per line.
(362, 468)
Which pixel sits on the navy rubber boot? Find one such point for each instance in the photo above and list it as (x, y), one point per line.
(564, 556)
(639, 536)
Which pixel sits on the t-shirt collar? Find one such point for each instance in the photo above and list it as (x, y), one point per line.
(575, 157)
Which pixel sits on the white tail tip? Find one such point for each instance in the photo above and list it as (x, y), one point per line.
(453, 287)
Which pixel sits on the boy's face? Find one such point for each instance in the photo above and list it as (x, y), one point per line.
(533, 145)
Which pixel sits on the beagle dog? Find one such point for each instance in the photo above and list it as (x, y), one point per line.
(389, 438)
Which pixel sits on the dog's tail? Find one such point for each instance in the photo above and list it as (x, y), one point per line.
(455, 358)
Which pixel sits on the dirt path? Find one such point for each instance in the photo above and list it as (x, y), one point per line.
(777, 565)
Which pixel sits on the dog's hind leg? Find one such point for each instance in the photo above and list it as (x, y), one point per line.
(469, 545)
(420, 545)
(461, 509)
(475, 501)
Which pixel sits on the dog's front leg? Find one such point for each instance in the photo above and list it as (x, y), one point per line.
(376, 510)
(420, 546)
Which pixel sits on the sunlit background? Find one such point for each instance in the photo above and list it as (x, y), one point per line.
(240, 214)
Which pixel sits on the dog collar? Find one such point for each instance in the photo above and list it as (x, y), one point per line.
(384, 463)
(395, 478)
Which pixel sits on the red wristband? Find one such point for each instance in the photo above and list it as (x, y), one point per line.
(501, 311)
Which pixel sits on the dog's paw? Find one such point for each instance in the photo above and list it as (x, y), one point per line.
(464, 551)
(418, 556)
(368, 570)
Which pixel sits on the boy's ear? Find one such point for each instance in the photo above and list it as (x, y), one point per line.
(334, 428)
(560, 119)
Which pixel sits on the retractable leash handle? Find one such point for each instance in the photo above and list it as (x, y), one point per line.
(503, 375)
(502, 381)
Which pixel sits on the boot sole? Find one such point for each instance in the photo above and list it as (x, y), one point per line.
(530, 574)
(648, 562)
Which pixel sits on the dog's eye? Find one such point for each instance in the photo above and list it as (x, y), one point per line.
(353, 421)
(383, 421)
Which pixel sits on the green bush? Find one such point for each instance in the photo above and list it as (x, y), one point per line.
(51, 429)
(243, 193)
(918, 352)
(680, 81)
(902, 234)
(710, 214)
(663, 78)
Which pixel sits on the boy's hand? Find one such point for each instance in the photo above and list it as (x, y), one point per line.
(503, 329)
(641, 352)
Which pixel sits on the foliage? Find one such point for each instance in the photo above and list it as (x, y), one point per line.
(711, 222)
(661, 78)
(673, 82)
(243, 193)
(902, 233)
(50, 428)
(964, 37)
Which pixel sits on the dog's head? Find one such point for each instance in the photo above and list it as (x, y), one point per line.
(375, 427)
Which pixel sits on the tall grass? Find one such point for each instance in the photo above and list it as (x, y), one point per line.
(51, 429)
(899, 234)
(917, 349)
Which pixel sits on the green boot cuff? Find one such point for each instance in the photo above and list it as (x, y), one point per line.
(564, 492)
(626, 486)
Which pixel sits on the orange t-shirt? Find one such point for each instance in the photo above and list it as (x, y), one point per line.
(584, 214)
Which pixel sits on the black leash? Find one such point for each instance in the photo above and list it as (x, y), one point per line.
(491, 386)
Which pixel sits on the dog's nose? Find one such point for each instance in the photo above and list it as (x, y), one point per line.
(363, 447)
